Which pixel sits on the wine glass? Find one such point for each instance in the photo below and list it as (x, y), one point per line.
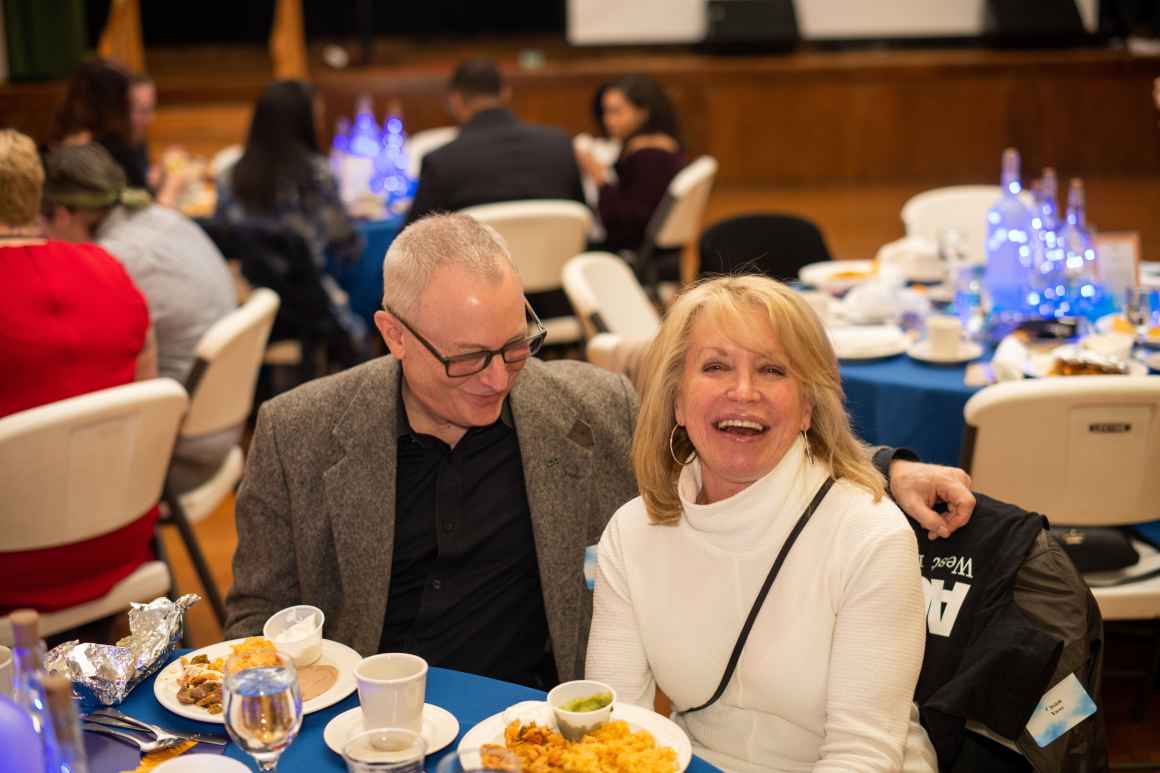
(491, 759)
(385, 750)
(1141, 308)
(263, 707)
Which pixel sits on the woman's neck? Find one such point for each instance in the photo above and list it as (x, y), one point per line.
(17, 235)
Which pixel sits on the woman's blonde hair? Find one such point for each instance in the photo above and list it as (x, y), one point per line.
(21, 179)
(732, 302)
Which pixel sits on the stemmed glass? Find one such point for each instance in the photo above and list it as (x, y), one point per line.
(1141, 308)
(263, 708)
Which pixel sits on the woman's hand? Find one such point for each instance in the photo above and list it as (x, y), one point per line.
(590, 167)
(917, 487)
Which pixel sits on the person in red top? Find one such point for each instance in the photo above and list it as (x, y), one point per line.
(72, 322)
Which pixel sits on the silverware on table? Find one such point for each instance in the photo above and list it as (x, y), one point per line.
(127, 737)
(115, 718)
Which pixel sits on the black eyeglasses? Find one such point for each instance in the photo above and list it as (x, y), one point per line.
(469, 364)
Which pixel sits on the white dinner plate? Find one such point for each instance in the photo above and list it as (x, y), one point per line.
(439, 728)
(822, 275)
(334, 654)
(867, 342)
(1105, 324)
(664, 730)
(1039, 363)
(968, 350)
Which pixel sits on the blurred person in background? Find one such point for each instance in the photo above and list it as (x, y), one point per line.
(72, 322)
(183, 276)
(636, 112)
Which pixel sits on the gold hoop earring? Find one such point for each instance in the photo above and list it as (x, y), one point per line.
(673, 451)
(806, 444)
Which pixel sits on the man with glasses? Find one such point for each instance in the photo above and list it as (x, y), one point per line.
(439, 501)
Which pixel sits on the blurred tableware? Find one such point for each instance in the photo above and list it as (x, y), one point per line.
(439, 728)
(664, 731)
(297, 632)
(943, 335)
(868, 342)
(5, 670)
(1040, 364)
(263, 708)
(201, 763)
(131, 737)
(581, 706)
(385, 750)
(114, 718)
(1153, 361)
(391, 689)
(820, 302)
(836, 276)
(1116, 346)
(965, 352)
(917, 257)
(492, 759)
(340, 656)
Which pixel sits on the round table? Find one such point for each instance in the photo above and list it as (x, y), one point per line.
(363, 279)
(469, 697)
(905, 403)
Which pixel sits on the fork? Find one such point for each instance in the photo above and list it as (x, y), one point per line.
(111, 716)
(126, 737)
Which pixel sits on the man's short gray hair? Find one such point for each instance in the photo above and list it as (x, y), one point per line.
(433, 242)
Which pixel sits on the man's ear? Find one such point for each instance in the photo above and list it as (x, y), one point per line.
(392, 333)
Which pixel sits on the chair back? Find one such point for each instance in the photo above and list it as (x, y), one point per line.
(777, 245)
(607, 296)
(676, 220)
(421, 143)
(1082, 450)
(86, 466)
(541, 235)
(962, 208)
(225, 371)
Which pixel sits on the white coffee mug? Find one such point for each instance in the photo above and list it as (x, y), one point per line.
(945, 334)
(392, 688)
(5, 670)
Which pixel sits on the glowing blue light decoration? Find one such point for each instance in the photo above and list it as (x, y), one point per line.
(1010, 257)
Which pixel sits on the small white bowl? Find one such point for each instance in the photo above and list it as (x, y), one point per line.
(574, 724)
(304, 645)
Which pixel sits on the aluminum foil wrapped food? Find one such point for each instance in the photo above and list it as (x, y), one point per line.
(1074, 361)
(108, 673)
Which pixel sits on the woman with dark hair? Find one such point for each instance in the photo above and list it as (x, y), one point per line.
(96, 109)
(283, 177)
(637, 112)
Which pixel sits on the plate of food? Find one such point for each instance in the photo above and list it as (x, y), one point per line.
(1074, 360)
(635, 739)
(837, 276)
(191, 686)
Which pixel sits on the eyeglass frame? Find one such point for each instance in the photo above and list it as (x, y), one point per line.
(534, 342)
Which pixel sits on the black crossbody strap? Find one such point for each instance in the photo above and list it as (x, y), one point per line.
(740, 645)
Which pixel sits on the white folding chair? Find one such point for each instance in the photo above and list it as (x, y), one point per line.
(1084, 451)
(608, 298)
(962, 208)
(542, 235)
(677, 219)
(221, 387)
(79, 468)
(421, 143)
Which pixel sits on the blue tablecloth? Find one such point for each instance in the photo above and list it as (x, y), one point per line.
(903, 402)
(363, 279)
(470, 698)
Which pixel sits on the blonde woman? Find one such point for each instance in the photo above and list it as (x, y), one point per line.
(741, 428)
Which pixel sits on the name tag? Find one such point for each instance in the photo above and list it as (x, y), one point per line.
(1061, 708)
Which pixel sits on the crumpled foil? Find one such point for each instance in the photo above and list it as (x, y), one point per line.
(107, 673)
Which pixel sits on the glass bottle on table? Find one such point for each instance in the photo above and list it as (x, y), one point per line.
(28, 653)
(1009, 248)
(1087, 296)
(263, 707)
(68, 749)
(1049, 280)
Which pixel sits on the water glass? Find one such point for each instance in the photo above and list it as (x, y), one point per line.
(263, 708)
(1142, 308)
(385, 750)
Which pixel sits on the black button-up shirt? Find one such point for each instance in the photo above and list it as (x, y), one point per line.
(465, 583)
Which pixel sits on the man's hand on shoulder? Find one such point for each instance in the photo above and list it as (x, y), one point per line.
(918, 487)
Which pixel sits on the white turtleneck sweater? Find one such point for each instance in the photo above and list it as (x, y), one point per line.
(826, 679)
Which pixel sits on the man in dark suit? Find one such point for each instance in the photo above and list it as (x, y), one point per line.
(496, 157)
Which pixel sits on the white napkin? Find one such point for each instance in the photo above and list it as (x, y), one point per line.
(883, 299)
(916, 257)
(866, 341)
(1010, 360)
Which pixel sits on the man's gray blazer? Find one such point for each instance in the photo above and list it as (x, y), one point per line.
(316, 509)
